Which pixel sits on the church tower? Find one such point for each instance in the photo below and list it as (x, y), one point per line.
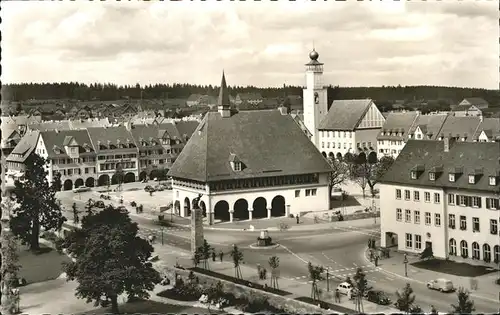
(314, 96)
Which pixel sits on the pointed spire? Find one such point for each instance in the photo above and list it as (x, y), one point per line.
(223, 100)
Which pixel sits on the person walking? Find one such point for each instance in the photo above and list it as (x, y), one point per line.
(297, 218)
(433, 310)
(221, 255)
(337, 296)
(213, 255)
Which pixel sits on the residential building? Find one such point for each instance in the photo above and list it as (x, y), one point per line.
(466, 110)
(475, 101)
(443, 195)
(488, 130)
(69, 153)
(351, 126)
(114, 148)
(249, 164)
(15, 162)
(459, 128)
(252, 98)
(193, 100)
(394, 134)
(427, 127)
(207, 100)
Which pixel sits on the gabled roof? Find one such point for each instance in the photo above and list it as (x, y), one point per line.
(267, 142)
(490, 126)
(171, 130)
(25, 147)
(147, 134)
(430, 124)
(186, 128)
(112, 135)
(345, 114)
(86, 123)
(476, 101)
(467, 157)
(461, 108)
(51, 125)
(460, 127)
(396, 123)
(193, 97)
(59, 139)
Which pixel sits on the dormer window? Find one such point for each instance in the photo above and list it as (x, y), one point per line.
(413, 174)
(416, 171)
(451, 177)
(493, 180)
(432, 176)
(237, 166)
(472, 179)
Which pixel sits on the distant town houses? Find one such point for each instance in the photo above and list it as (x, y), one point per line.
(443, 196)
(88, 152)
(251, 98)
(201, 100)
(401, 127)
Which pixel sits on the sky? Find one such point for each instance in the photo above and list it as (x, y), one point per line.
(447, 43)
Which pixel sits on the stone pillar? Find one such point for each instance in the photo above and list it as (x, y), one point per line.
(231, 215)
(287, 211)
(210, 218)
(250, 214)
(269, 213)
(196, 229)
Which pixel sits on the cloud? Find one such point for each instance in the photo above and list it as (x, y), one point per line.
(264, 44)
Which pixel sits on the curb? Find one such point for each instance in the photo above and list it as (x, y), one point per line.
(253, 246)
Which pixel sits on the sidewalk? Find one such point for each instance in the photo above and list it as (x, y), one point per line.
(487, 289)
(250, 273)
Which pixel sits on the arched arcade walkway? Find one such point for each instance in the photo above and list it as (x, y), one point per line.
(78, 182)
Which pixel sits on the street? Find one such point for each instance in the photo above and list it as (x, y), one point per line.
(339, 248)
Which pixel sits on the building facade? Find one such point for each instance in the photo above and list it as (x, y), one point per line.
(443, 195)
(249, 164)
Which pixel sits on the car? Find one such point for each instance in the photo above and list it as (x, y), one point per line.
(441, 284)
(344, 288)
(378, 297)
(81, 189)
(100, 204)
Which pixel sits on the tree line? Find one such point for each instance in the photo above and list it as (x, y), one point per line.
(108, 92)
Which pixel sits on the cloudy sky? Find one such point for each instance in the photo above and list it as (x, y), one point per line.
(451, 43)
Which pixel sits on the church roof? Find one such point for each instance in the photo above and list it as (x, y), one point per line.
(266, 142)
(345, 114)
(223, 93)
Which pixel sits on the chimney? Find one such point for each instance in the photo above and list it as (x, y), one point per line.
(448, 142)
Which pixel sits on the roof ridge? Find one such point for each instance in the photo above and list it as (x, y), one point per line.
(367, 108)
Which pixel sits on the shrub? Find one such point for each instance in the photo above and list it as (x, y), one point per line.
(133, 204)
(291, 216)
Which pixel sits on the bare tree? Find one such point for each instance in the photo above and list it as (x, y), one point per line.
(361, 285)
(338, 175)
(315, 276)
(274, 263)
(237, 257)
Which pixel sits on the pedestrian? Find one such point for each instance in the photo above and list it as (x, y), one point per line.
(376, 261)
(337, 296)
(371, 255)
(433, 310)
(349, 294)
(297, 218)
(259, 272)
(213, 255)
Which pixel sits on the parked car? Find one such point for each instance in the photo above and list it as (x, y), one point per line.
(149, 188)
(122, 209)
(378, 297)
(441, 284)
(100, 204)
(344, 288)
(81, 189)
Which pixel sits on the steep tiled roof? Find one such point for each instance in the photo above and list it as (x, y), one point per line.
(476, 101)
(491, 126)
(186, 127)
(429, 124)
(87, 123)
(56, 140)
(266, 142)
(111, 136)
(51, 125)
(193, 97)
(345, 114)
(147, 134)
(469, 156)
(171, 130)
(460, 127)
(460, 108)
(25, 146)
(396, 123)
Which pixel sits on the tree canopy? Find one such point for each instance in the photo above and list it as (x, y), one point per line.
(368, 169)
(465, 304)
(38, 206)
(111, 258)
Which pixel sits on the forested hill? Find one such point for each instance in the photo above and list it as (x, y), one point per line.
(108, 92)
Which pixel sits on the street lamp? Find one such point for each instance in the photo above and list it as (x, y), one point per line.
(327, 280)
(405, 261)
(161, 230)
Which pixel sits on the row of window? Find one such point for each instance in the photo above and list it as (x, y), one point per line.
(409, 241)
(451, 220)
(117, 156)
(390, 142)
(476, 252)
(453, 199)
(112, 166)
(309, 192)
(73, 160)
(336, 134)
(386, 151)
(333, 145)
(265, 182)
(145, 163)
(416, 196)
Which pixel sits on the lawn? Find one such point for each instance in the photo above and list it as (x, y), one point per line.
(151, 307)
(42, 266)
(454, 268)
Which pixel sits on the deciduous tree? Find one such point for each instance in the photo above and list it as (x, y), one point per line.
(368, 170)
(274, 263)
(111, 258)
(38, 206)
(237, 257)
(338, 175)
(315, 276)
(119, 175)
(465, 304)
(405, 299)
(361, 284)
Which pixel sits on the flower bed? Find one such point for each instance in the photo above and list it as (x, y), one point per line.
(324, 305)
(240, 281)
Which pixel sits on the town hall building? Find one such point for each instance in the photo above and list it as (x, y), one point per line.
(249, 164)
(348, 126)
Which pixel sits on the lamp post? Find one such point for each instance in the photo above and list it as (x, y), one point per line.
(161, 230)
(405, 261)
(327, 280)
